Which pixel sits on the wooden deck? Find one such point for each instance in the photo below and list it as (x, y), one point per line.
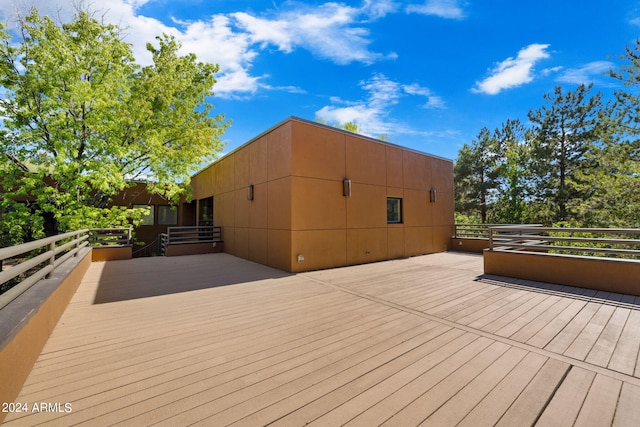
(215, 340)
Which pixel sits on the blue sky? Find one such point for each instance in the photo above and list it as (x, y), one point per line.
(428, 74)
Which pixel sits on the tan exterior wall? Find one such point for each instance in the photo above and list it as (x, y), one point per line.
(19, 353)
(259, 229)
(329, 229)
(193, 249)
(109, 253)
(467, 244)
(297, 170)
(593, 273)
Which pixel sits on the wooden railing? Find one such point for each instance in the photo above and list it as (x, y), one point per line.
(33, 261)
(109, 236)
(595, 242)
(41, 265)
(190, 234)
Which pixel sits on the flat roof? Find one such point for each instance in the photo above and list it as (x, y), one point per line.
(321, 125)
(215, 339)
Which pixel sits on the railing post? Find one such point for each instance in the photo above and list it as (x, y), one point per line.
(77, 239)
(52, 258)
(490, 239)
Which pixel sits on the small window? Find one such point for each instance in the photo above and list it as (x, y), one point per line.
(205, 215)
(147, 219)
(167, 215)
(394, 210)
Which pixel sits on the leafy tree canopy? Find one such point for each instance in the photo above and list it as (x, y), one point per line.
(81, 119)
(577, 162)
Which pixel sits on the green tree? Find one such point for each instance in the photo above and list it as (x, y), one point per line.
(612, 190)
(513, 170)
(87, 119)
(476, 176)
(627, 105)
(564, 131)
(350, 127)
(613, 187)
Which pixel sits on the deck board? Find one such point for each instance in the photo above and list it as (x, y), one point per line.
(216, 340)
(490, 409)
(565, 406)
(625, 357)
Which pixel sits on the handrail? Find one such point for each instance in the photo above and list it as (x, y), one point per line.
(481, 231)
(611, 242)
(78, 241)
(109, 236)
(164, 241)
(193, 234)
(153, 247)
(54, 251)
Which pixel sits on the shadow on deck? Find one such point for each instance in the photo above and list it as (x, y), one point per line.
(428, 340)
(149, 277)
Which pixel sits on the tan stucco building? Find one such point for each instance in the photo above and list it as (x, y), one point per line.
(304, 196)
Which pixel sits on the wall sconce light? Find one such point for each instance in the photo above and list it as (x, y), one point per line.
(300, 257)
(250, 192)
(346, 187)
(432, 195)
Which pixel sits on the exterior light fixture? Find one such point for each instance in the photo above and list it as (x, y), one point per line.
(346, 187)
(250, 192)
(432, 195)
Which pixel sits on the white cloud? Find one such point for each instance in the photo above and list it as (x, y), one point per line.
(371, 114)
(449, 9)
(548, 71)
(433, 101)
(265, 31)
(586, 73)
(382, 91)
(330, 31)
(376, 9)
(513, 72)
(233, 85)
(289, 89)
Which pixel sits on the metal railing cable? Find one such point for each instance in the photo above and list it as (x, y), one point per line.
(623, 243)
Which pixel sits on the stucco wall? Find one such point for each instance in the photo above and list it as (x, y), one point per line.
(329, 229)
(297, 170)
(28, 321)
(258, 229)
(603, 274)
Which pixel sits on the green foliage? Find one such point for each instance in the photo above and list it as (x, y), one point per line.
(578, 163)
(513, 173)
(350, 127)
(475, 175)
(461, 218)
(564, 131)
(82, 119)
(627, 106)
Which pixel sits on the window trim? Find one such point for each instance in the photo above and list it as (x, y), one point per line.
(171, 209)
(399, 214)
